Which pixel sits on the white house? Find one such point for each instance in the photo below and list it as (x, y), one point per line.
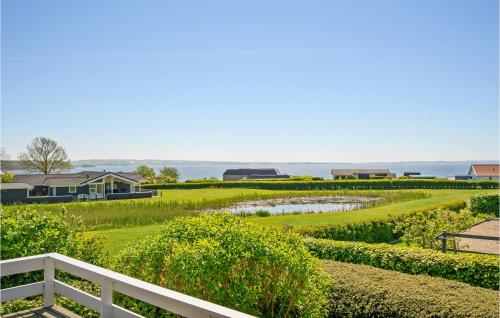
(485, 172)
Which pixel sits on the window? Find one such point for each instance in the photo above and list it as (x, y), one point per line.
(92, 188)
(72, 189)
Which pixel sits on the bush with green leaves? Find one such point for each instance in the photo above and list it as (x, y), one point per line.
(485, 204)
(7, 177)
(368, 231)
(371, 231)
(475, 269)
(230, 261)
(364, 291)
(421, 229)
(26, 232)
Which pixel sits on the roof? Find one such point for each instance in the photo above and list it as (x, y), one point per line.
(64, 182)
(72, 179)
(249, 172)
(15, 185)
(348, 172)
(485, 170)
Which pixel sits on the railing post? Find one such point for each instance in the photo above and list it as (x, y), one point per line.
(443, 241)
(107, 299)
(48, 285)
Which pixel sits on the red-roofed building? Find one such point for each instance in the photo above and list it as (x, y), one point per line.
(485, 171)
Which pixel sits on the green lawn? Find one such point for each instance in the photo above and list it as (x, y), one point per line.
(438, 198)
(117, 238)
(100, 215)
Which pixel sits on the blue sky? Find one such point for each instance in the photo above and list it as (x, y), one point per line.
(325, 81)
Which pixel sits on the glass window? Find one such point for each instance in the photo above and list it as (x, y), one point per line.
(72, 189)
(93, 188)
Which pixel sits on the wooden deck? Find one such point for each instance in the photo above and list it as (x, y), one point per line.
(51, 312)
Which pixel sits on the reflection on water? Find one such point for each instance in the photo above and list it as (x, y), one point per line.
(298, 208)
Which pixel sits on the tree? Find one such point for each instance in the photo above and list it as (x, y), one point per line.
(169, 174)
(44, 155)
(7, 177)
(147, 173)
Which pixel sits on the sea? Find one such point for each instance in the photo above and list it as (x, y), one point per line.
(440, 169)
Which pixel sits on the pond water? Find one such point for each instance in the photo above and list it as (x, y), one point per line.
(298, 208)
(302, 205)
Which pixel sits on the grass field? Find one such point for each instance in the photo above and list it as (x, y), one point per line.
(98, 215)
(117, 238)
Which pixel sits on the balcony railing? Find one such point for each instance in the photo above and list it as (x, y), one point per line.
(109, 281)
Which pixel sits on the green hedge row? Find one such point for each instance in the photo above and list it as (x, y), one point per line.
(474, 269)
(369, 231)
(365, 291)
(385, 184)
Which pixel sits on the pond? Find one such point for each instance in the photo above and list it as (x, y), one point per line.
(302, 205)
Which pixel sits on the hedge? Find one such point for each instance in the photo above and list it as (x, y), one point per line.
(385, 184)
(370, 231)
(365, 291)
(485, 204)
(474, 269)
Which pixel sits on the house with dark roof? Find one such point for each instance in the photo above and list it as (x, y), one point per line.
(242, 174)
(85, 185)
(485, 172)
(361, 173)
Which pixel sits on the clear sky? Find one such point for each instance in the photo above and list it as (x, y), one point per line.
(260, 80)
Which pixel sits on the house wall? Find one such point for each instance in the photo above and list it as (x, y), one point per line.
(497, 178)
(13, 195)
(65, 190)
(233, 177)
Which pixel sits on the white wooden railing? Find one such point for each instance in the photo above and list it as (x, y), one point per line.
(109, 281)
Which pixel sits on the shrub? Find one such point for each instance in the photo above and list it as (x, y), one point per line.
(232, 262)
(364, 291)
(475, 269)
(422, 228)
(30, 232)
(371, 231)
(485, 204)
(7, 177)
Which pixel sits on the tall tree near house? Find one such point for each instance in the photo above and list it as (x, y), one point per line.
(147, 173)
(169, 174)
(44, 155)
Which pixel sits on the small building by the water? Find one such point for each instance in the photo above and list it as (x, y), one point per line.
(485, 172)
(241, 174)
(38, 188)
(460, 177)
(361, 173)
(411, 173)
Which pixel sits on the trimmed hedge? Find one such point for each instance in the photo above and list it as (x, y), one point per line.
(385, 184)
(365, 291)
(371, 231)
(485, 204)
(368, 231)
(474, 269)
